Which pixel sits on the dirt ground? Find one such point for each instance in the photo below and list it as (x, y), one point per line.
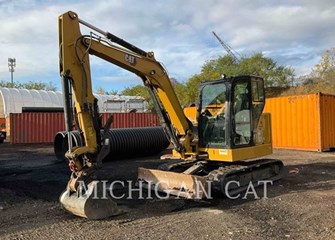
(300, 206)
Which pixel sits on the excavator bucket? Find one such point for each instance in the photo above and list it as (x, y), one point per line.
(93, 203)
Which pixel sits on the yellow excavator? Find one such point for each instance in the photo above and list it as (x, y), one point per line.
(231, 130)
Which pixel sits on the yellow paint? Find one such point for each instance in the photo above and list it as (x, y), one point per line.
(238, 154)
(191, 114)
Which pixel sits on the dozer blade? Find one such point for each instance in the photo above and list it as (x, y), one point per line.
(188, 185)
(177, 184)
(93, 203)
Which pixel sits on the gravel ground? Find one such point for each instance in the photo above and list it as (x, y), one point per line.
(300, 206)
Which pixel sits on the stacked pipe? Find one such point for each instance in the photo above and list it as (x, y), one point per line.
(124, 142)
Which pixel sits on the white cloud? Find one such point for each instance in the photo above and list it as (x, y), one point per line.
(294, 33)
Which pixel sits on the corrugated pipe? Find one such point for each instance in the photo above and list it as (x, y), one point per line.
(125, 142)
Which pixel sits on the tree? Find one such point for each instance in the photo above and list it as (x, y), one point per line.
(267, 68)
(325, 70)
(180, 90)
(113, 92)
(321, 79)
(211, 70)
(7, 84)
(139, 90)
(102, 91)
(30, 85)
(39, 86)
(142, 91)
(257, 64)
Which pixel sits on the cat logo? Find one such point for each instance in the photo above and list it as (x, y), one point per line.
(131, 59)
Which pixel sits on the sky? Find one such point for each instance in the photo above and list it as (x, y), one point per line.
(293, 33)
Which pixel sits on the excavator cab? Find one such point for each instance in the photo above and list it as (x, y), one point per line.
(231, 130)
(229, 112)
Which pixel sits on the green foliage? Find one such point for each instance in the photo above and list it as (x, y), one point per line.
(142, 91)
(102, 91)
(181, 90)
(112, 92)
(211, 70)
(30, 85)
(192, 88)
(273, 74)
(257, 64)
(321, 79)
(325, 70)
(139, 90)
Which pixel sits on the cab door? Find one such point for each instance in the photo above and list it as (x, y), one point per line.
(247, 104)
(212, 115)
(241, 115)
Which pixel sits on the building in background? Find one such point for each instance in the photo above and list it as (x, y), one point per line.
(14, 100)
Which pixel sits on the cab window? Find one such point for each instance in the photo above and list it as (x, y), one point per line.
(241, 114)
(212, 115)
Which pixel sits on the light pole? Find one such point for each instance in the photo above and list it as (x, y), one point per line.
(11, 65)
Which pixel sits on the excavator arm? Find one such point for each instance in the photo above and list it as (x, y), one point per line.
(75, 49)
(75, 68)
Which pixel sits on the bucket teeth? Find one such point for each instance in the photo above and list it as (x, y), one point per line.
(93, 203)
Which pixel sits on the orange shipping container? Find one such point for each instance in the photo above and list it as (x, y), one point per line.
(303, 122)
